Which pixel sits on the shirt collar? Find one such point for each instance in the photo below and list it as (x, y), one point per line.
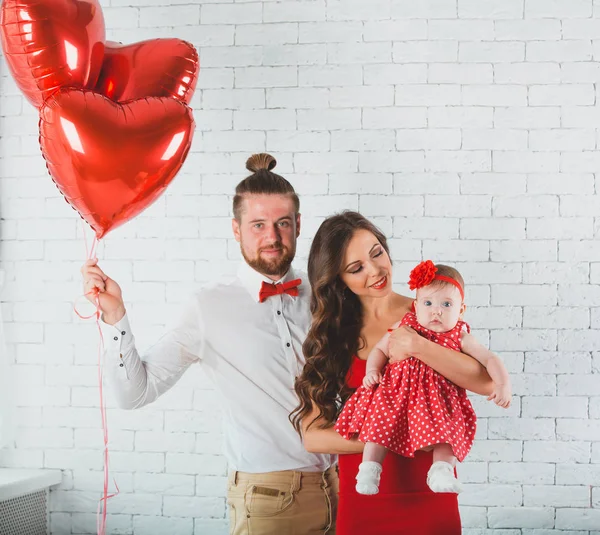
(252, 280)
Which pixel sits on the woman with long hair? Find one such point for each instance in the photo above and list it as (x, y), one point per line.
(353, 305)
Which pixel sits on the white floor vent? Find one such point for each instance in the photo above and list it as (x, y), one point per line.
(25, 515)
(24, 500)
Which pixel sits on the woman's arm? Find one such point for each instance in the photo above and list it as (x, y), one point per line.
(327, 440)
(457, 367)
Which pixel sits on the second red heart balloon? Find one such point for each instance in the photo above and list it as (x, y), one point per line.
(154, 68)
(111, 161)
(49, 44)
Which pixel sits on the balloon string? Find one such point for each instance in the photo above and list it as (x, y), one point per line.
(102, 504)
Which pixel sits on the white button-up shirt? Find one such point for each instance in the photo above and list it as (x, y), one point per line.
(251, 351)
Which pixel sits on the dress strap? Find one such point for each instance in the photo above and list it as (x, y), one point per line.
(463, 326)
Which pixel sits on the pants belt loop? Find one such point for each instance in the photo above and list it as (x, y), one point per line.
(324, 480)
(296, 478)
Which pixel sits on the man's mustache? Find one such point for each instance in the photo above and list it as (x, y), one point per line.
(277, 246)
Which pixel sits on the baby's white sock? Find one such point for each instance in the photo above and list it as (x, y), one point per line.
(367, 479)
(440, 478)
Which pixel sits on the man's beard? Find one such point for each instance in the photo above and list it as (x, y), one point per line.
(278, 266)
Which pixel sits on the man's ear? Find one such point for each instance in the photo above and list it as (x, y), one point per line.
(298, 221)
(235, 227)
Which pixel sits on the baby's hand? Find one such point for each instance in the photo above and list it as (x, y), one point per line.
(501, 396)
(371, 379)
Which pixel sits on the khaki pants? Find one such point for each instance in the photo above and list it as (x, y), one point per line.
(282, 503)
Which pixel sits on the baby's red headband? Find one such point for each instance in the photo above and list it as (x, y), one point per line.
(425, 273)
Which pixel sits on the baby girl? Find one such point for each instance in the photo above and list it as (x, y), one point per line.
(414, 407)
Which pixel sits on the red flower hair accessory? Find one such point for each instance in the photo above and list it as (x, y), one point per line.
(422, 275)
(425, 273)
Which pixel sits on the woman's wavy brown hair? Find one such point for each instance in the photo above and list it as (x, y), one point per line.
(334, 336)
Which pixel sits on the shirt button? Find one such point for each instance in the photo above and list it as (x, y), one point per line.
(279, 312)
(123, 333)
(121, 365)
(288, 344)
(115, 338)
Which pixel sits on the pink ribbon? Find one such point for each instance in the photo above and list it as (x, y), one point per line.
(102, 504)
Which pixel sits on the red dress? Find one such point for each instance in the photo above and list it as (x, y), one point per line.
(414, 406)
(405, 505)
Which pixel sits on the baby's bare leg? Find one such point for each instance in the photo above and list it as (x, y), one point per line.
(374, 452)
(443, 452)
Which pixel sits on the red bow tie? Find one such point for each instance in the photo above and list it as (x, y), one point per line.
(268, 289)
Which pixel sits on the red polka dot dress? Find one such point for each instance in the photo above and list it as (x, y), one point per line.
(414, 406)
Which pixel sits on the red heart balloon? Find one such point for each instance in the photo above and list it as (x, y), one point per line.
(109, 160)
(155, 68)
(49, 44)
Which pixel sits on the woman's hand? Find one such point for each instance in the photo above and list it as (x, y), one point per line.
(96, 282)
(501, 396)
(371, 379)
(403, 343)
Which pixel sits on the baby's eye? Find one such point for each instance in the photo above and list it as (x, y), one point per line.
(447, 304)
(427, 303)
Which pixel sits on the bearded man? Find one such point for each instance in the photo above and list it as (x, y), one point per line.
(247, 333)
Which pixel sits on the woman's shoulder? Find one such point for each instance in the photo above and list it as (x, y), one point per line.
(402, 304)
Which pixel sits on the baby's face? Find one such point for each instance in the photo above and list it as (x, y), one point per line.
(439, 307)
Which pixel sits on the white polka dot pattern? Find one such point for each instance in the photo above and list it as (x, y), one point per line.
(414, 406)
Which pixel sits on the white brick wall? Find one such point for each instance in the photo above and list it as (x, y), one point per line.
(467, 129)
